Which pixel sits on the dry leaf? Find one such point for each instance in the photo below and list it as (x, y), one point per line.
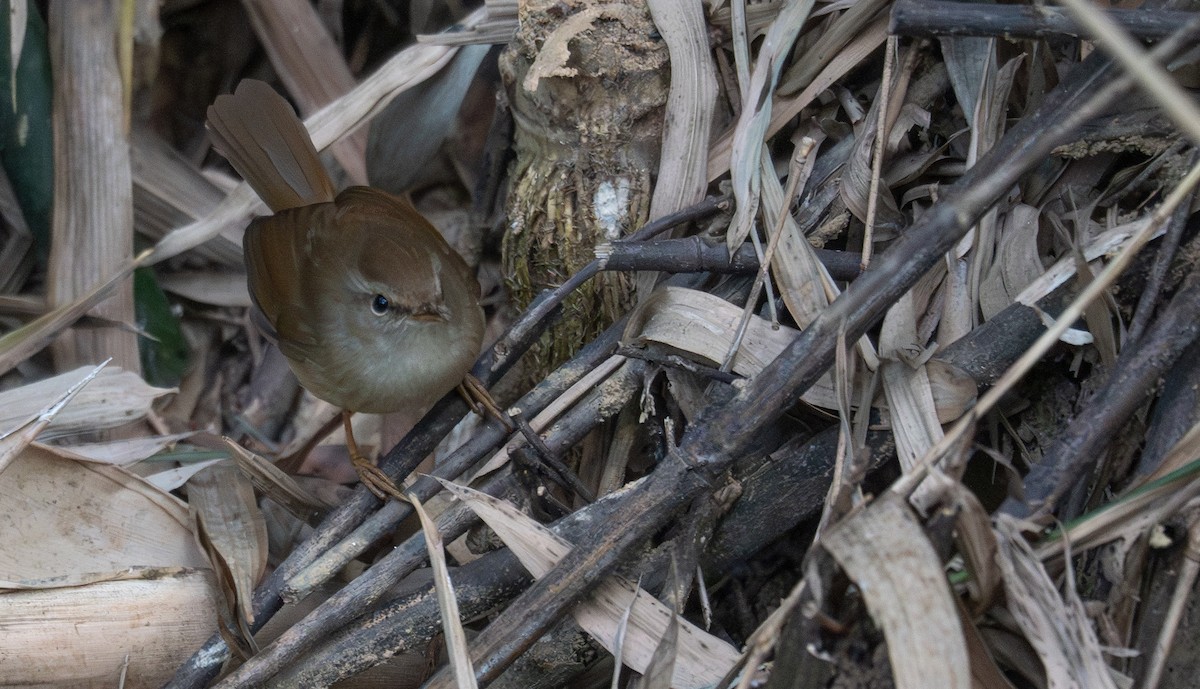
(1059, 629)
(114, 398)
(231, 529)
(702, 658)
(885, 551)
(701, 326)
(456, 638)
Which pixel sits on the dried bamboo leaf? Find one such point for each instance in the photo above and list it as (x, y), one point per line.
(16, 240)
(906, 385)
(750, 133)
(720, 153)
(1058, 628)
(857, 175)
(231, 529)
(169, 191)
(833, 40)
(885, 551)
(662, 662)
(976, 541)
(416, 124)
(1106, 244)
(68, 523)
(687, 126)
(275, 483)
(1153, 501)
(22, 343)
(702, 326)
(120, 452)
(15, 440)
(170, 479)
(967, 60)
(804, 283)
(987, 128)
(1097, 315)
(702, 658)
(985, 673)
(1017, 262)
(456, 638)
(497, 27)
(114, 398)
(217, 288)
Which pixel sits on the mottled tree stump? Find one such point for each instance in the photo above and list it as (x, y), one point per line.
(587, 82)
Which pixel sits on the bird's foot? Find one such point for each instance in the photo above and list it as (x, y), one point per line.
(369, 475)
(477, 397)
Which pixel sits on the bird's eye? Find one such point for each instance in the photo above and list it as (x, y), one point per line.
(379, 304)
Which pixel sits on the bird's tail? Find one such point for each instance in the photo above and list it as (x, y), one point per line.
(264, 140)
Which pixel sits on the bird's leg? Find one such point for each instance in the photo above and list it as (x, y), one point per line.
(477, 397)
(370, 475)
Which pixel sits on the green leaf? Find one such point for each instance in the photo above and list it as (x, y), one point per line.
(26, 133)
(164, 352)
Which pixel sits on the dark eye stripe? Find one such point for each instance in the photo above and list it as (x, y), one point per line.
(379, 304)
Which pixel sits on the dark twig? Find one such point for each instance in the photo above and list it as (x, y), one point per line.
(696, 254)
(930, 18)
(1158, 273)
(560, 473)
(676, 361)
(1134, 378)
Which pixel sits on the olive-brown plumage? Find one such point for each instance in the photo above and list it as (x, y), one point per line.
(371, 307)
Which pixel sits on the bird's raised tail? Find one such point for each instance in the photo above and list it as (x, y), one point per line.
(260, 135)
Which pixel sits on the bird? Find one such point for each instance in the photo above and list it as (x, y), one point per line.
(370, 306)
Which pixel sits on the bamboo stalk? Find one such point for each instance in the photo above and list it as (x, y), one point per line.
(92, 231)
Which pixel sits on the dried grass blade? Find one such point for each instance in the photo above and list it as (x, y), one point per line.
(702, 659)
(29, 339)
(1059, 629)
(884, 549)
(456, 638)
(720, 153)
(751, 131)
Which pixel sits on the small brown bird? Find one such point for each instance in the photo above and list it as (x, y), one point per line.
(373, 310)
